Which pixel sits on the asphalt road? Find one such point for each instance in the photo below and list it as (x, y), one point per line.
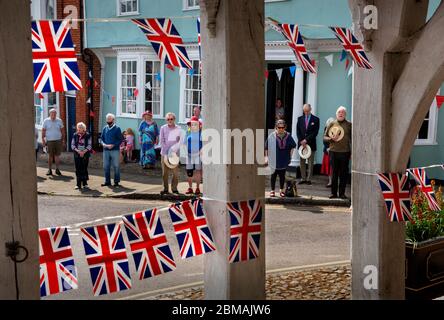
(295, 236)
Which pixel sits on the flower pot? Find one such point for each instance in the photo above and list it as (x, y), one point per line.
(425, 269)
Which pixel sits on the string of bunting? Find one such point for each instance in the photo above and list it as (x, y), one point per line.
(105, 246)
(395, 189)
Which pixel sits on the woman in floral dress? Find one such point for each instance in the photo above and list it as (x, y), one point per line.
(148, 138)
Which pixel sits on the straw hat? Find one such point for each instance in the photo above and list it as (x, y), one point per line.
(304, 152)
(171, 160)
(336, 131)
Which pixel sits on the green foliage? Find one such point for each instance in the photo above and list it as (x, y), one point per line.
(426, 224)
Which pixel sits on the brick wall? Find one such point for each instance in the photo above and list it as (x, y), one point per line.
(82, 108)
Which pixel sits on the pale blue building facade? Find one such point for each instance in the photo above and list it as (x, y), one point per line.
(129, 63)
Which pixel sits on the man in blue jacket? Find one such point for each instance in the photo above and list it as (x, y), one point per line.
(111, 139)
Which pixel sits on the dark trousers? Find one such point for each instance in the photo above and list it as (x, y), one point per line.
(339, 161)
(81, 169)
(281, 174)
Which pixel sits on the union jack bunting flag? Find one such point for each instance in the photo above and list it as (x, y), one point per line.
(148, 244)
(190, 225)
(54, 57)
(352, 46)
(395, 190)
(106, 257)
(165, 40)
(245, 230)
(425, 186)
(57, 269)
(296, 43)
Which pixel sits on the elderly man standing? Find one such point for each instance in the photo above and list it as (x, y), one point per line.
(111, 140)
(307, 131)
(53, 136)
(170, 138)
(340, 151)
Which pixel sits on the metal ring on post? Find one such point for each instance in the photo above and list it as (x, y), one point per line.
(24, 258)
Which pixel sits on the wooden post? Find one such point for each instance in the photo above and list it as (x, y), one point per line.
(389, 106)
(233, 98)
(18, 190)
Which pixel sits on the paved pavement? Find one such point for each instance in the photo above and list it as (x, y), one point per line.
(147, 184)
(295, 236)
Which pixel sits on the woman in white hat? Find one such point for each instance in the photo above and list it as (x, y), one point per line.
(279, 148)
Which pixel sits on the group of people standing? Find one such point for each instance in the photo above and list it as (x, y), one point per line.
(115, 143)
(337, 149)
(336, 138)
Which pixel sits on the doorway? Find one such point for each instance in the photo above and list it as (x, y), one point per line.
(283, 90)
(70, 120)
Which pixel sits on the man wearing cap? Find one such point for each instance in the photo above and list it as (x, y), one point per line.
(340, 151)
(53, 137)
(307, 130)
(170, 138)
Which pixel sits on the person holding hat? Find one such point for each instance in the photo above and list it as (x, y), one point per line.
(279, 147)
(194, 163)
(148, 138)
(338, 135)
(307, 130)
(170, 140)
(53, 137)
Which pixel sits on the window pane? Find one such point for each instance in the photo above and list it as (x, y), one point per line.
(148, 67)
(424, 131)
(195, 82)
(134, 63)
(134, 5)
(148, 95)
(52, 98)
(196, 95)
(156, 108)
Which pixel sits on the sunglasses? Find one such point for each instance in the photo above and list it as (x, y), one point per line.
(281, 127)
(170, 119)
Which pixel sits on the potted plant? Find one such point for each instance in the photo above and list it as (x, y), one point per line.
(425, 249)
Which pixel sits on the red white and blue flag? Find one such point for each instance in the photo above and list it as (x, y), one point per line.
(426, 188)
(296, 43)
(165, 40)
(54, 57)
(396, 193)
(352, 46)
(148, 243)
(245, 230)
(57, 269)
(191, 228)
(106, 257)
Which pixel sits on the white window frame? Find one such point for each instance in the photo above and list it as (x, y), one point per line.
(186, 7)
(125, 54)
(38, 9)
(433, 127)
(123, 14)
(193, 54)
(160, 114)
(46, 107)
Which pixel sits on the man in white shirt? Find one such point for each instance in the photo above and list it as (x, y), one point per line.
(53, 136)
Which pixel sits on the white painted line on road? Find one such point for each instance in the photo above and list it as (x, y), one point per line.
(148, 294)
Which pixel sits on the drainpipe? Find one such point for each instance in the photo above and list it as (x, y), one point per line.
(87, 58)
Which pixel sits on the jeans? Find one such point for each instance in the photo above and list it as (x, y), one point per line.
(111, 158)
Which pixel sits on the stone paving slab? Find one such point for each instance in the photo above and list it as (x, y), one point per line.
(328, 283)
